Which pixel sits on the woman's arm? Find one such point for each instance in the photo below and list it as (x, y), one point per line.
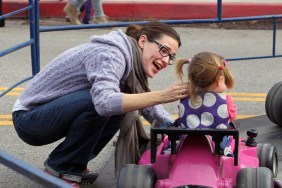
(143, 100)
(105, 71)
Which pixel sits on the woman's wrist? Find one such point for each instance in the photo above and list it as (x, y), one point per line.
(140, 100)
(157, 97)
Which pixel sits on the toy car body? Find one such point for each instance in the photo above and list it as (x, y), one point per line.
(194, 161)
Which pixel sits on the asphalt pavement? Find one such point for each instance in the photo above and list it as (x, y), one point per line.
(253, 78)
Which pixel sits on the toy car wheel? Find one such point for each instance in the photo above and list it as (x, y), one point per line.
(137, 176)
(267, 155)
(260, 177)
(277, 183)
(273, 104)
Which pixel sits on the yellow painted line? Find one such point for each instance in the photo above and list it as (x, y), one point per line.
(6, 123)
(15, 89)
(175, 116)
(146, 123)
(244, 116)
(5, 116)
(6, 120)
(254, 97)
(249, 99)
(230, 93)
(248, 94)
(14, 92)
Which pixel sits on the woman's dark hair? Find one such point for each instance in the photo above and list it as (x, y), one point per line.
(153, 30)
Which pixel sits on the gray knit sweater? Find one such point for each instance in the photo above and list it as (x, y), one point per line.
(102, 65)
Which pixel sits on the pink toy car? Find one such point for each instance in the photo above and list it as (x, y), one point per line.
(193, 160)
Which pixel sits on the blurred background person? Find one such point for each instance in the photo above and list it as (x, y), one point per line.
(74, 8)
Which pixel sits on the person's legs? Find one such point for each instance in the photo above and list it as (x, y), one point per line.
(88, 9)
(82, 8)
(71, 157)
(77, 3)
(99, 16)
(110, 130)
(72, 116)
(51, 121)
(72, 9)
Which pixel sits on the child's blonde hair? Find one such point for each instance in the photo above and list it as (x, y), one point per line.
(204, 69)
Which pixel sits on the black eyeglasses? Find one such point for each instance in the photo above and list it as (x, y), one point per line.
(164, 51)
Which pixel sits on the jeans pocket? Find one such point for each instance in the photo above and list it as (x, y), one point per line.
(27, 128)
(27, 121)
(16, 116)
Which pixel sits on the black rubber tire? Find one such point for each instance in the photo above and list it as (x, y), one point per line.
(260, 177)
(277, 183)
(273, 104)
(137, 176)
(267, 155)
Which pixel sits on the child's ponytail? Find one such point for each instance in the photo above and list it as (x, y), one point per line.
(179, 68)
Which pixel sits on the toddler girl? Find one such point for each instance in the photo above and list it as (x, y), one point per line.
(207, 106)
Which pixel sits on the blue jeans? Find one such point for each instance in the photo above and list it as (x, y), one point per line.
(87, 8)
(74, 117)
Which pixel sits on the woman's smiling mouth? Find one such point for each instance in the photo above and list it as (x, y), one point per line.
(157, 66)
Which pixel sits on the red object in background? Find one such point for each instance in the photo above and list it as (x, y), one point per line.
(133, 10)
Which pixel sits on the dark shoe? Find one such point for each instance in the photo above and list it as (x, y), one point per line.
(88, 177)
(86, 22)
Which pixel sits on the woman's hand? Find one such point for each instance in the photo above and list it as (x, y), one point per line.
(175, 92)
(143, 100)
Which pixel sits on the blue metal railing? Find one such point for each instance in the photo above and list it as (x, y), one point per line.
(218, 19)
(18, 165)
(33, 10)
(31, 172)
(194, 21)
(35, 29)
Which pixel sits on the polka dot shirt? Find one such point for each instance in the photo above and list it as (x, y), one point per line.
(210, 111)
